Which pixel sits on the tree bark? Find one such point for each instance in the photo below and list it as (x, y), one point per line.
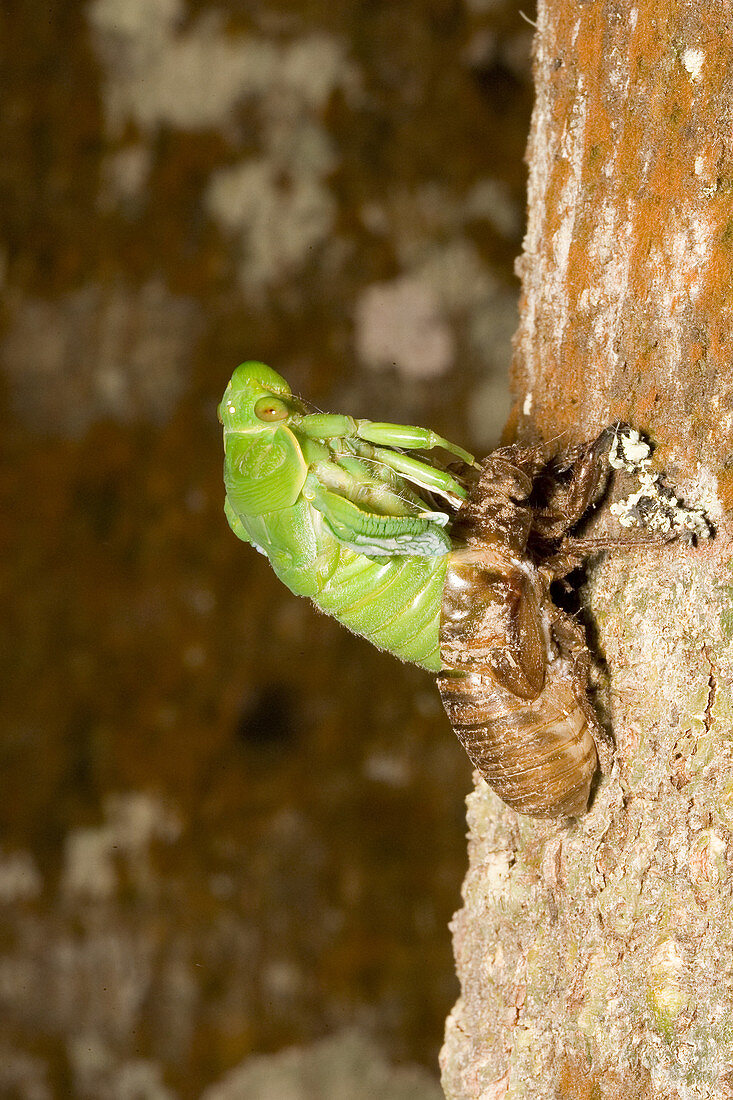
(596, 956)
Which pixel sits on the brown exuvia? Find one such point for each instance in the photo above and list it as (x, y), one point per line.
(515, 681)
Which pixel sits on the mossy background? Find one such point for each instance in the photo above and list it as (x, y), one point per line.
(227, 826)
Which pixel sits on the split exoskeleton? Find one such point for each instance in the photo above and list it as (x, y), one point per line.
(514, 681)
(449, 570)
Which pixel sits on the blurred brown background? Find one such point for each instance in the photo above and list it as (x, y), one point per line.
(227, 825)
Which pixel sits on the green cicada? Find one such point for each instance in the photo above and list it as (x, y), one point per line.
(345, 516)
(450, 571)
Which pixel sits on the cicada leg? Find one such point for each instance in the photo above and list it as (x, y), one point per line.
(421, 474)
(576, 482)
(409, 438)
(389, 436)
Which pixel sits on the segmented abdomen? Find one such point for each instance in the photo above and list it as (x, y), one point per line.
(517, 705)
(539, 756)
(394, 602)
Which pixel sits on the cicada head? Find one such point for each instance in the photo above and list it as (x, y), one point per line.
(256, 395)
(264, 467)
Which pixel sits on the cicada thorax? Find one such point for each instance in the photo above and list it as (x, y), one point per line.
(514, 676)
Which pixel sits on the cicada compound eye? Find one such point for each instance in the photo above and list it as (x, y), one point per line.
(271, 408)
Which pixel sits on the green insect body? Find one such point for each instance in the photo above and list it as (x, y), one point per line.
(345, 516)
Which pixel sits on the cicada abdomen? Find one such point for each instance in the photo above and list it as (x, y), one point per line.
(517, 708)
(515, 666)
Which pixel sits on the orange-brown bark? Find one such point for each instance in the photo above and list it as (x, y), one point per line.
(595, 956)
(628, 259)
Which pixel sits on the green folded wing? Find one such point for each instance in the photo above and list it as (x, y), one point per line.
(376, 535)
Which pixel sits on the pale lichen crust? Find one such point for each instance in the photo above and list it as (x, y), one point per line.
(654, 505)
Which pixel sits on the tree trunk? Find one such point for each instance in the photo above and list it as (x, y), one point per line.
(596, 956)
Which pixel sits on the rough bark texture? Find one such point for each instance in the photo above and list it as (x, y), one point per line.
(596, 957)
